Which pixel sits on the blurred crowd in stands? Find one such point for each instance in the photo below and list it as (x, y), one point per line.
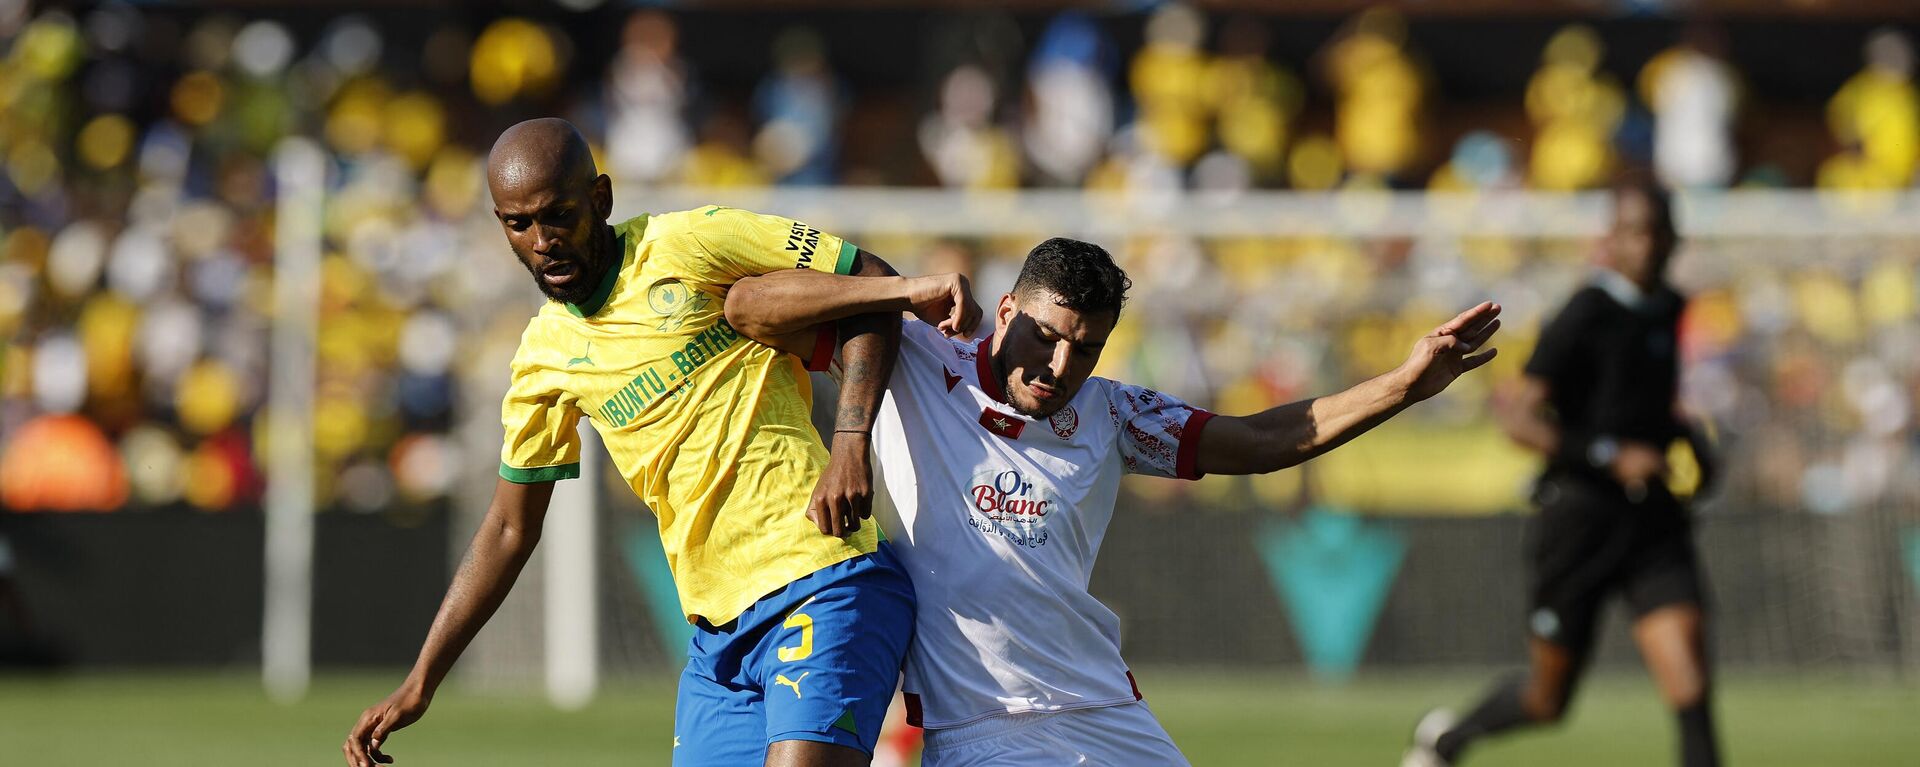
(137, 206)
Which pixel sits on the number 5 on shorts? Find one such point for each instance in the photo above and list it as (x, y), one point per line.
(804, 622)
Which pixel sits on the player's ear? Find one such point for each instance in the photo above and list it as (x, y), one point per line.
(603, 197)
(1008, 309)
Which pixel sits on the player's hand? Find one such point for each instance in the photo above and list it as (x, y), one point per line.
(404, 707)
(1636, 465)
(1450, 351)
(945, 301)
(844, 495)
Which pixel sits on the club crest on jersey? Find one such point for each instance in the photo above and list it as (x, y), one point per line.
(1065, 422)
(674, 302)
(1012, 505)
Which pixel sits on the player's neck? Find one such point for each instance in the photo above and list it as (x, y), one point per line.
(997, 367)
(605, 256)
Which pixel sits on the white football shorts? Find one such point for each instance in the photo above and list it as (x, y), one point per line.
(1126, 735)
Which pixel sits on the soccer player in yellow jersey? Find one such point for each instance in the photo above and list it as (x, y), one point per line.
(802, 615)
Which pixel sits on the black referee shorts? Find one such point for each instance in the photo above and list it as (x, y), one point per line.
(1589, 541)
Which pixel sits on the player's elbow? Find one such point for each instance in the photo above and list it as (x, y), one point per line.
(745, 311)
(519, 543)
(508, 533)
(517, 539)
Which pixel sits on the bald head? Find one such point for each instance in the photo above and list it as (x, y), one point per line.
(553, 205)
(547, 153)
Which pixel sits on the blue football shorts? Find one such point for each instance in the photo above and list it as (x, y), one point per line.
(817, 660)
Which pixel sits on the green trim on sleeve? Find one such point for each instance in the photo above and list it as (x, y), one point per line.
(848, 251)
(542, 474)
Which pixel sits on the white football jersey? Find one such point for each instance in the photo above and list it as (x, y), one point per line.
(998, 518)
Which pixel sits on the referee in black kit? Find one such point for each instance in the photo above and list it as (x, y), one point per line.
(1598, 400)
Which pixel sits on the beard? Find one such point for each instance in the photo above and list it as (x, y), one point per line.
(574, 292)
(592, 269)
(1010, 386)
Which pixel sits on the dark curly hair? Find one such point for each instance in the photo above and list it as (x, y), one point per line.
(1077, 275)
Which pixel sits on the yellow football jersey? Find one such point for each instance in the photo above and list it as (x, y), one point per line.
(710, 429)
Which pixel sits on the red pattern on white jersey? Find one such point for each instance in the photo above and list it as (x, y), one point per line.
(1000, 532)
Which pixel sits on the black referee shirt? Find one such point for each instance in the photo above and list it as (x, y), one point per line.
(1612, 367)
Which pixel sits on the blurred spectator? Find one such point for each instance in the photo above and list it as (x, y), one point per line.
(137, 197)
(1168, 75)
(1480, 161)
(1377, 117)
(1575, 109)
(61, 463)
(722, 158)
(1693, 94)
(514, 59)
(1315, 164)
(646, 101)
(960, 139)
(1254, 101)
(1876, 119)
(1070, 107)
(799, 107)
(951, 256)
(134, 285)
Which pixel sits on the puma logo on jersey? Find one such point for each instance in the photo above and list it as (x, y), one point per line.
(584, 358)
(780, 679)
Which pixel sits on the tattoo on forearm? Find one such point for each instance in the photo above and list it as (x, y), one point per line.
(868, 345)
(854, 380)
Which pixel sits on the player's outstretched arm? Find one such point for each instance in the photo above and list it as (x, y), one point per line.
(1290, 434)
(771, 305)
(499, 549)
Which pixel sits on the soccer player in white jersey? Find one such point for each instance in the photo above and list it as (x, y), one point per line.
(1004, 457)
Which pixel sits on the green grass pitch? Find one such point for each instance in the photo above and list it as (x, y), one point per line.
(1218, 717)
